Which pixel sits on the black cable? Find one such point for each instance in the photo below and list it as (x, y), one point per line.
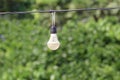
(50, 11)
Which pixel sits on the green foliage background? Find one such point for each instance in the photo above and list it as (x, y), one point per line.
(90, 41)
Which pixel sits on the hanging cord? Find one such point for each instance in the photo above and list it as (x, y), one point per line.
(53, 18)
(53, 27)
(50, 11)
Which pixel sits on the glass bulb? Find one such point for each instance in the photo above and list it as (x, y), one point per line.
(53, 42)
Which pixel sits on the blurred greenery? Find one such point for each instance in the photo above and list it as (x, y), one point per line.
(90, 41)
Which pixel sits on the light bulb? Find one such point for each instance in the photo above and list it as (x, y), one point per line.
(53, 42)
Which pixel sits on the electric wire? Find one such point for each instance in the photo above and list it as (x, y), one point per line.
(50, 11)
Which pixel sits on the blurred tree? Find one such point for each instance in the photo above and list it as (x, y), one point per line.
(89, 50)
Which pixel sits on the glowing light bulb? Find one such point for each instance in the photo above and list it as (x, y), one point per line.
(53, 42)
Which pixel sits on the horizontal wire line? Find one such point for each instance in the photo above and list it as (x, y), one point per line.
(50, 11)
